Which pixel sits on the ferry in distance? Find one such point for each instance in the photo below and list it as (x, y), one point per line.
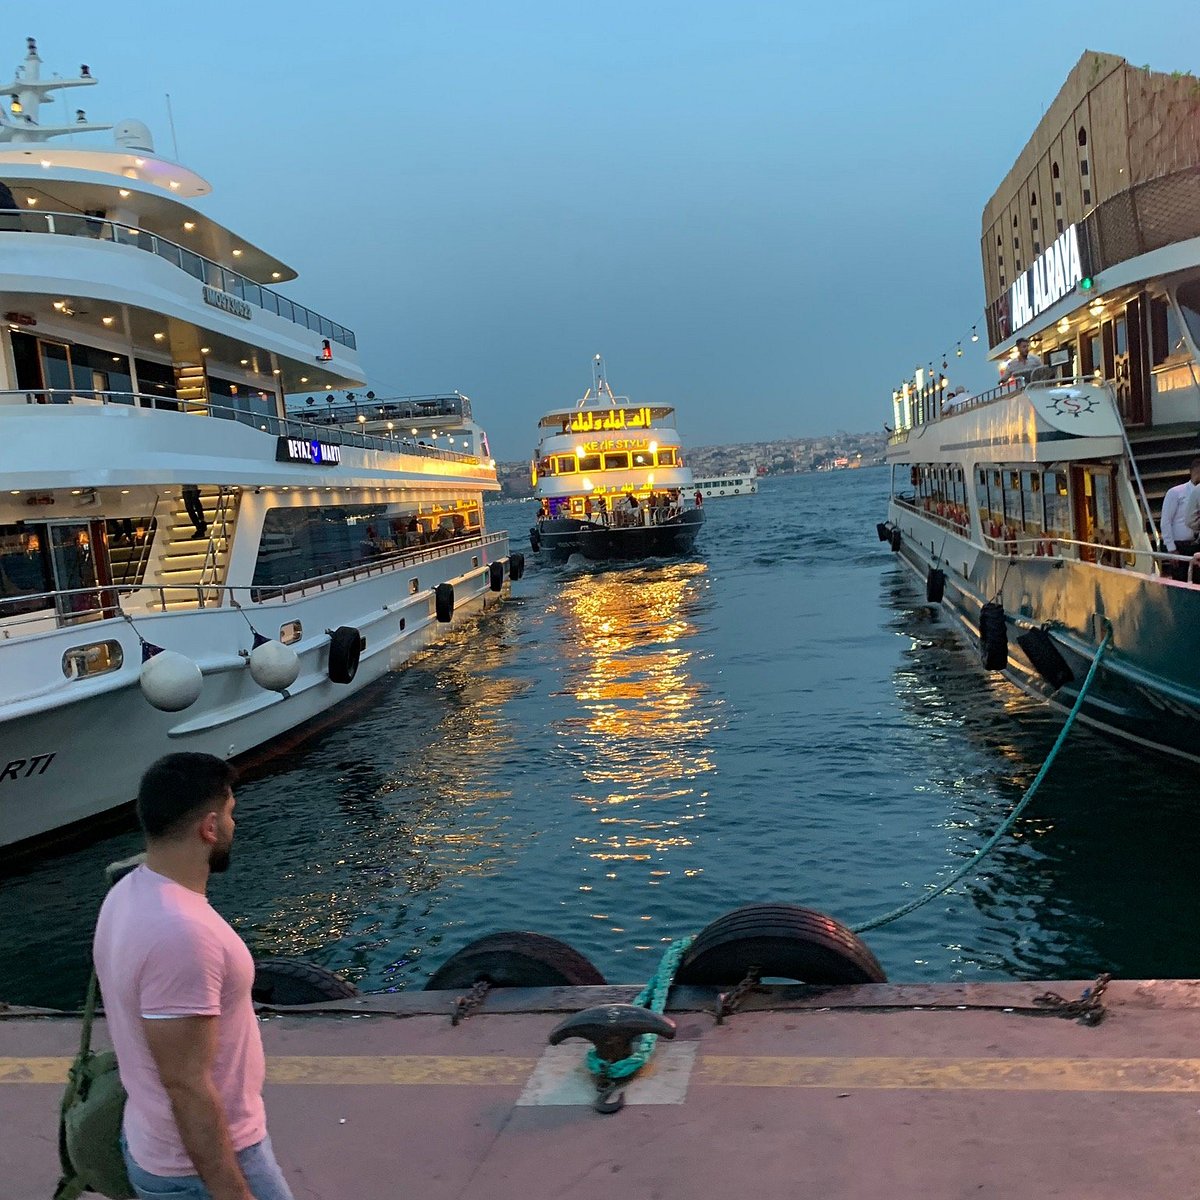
(610, 480)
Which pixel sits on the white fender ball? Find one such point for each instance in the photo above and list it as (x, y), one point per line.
(274, 666)
(171, 681)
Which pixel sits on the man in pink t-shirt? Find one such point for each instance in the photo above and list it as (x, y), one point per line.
(176, 983)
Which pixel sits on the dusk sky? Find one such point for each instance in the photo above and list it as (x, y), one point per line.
(764, 213)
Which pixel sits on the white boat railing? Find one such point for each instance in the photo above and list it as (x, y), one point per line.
(204, 269)
(264, 421)
(76, 606)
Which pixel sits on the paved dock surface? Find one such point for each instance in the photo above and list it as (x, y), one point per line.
(871, 1092)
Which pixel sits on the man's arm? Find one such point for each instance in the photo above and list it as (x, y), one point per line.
(183, 1049)
(1167, 521)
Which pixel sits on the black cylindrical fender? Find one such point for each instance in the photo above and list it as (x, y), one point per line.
(443, 602)
(345, 649)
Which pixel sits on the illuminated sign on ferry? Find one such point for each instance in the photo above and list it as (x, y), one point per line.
(227, 303)
(616, 444)
(321, 454)
(610, 420)
(1051, 277)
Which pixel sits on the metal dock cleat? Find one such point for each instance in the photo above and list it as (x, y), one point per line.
(612, 1029)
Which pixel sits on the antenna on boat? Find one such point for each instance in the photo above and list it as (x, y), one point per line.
(27, 91)
(599, 385)
(171, 122)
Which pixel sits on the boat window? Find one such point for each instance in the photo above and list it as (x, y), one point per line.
(290, 632)
(1188, 295)
(590, 462)
(643, 458)
(306, 543)
(1166, 331)
(616, 462)
(666, 458)
(1057, 500)
(24, 570)
(1031, 499)
(80, 662)
(565, 464)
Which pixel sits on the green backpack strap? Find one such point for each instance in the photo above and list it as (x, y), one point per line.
(71, 1186)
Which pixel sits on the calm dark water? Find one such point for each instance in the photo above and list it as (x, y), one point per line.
(616, 757)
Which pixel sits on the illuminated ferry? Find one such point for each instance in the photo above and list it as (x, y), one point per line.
(610, 480)
(184, 565)
(1033, 510)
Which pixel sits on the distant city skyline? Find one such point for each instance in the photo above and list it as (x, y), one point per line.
(761, 215)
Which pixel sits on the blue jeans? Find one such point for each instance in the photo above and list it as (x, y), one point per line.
(258, 1165)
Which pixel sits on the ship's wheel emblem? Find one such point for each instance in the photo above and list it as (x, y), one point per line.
(1072, 405)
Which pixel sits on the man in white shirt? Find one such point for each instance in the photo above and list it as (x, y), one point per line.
(1177, 535)
(1023, 363)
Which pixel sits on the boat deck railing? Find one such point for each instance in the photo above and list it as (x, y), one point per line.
(76, 606)
(257, 416)
(204, 269)
(1023, 544)
(395, 408)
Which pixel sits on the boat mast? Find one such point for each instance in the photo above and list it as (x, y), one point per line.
(27, 91)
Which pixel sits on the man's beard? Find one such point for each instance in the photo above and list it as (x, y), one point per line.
(218, 858)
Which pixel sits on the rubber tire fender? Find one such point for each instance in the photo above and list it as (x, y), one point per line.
(993, 637)
(784, 941)
(515, 959)
(895, 537)
(516, 566)
(293, 981)
(535, 540)
(884, 531)
(345, 649)
(443, 602)
(496, 576)
(1049, 663)
(935, 585)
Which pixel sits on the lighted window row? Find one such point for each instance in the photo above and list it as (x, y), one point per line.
(613, 460)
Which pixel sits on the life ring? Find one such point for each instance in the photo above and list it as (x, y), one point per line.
(443, 602)
(784, 941)
(516, 566)
(345, 649)
(279, 981)
(515, 959)
(993, 637)
(496, 576)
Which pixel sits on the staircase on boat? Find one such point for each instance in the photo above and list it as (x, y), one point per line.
(1163, 455)
(190, 568)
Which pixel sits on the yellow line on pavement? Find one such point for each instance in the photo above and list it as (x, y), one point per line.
(954, 1074)
(844, 1074)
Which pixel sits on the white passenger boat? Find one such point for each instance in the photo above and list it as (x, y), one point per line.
(183, 565)
(610, 479)
(1033, 509)
(726, 485)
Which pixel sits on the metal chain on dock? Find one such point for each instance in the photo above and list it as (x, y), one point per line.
(470, 1002)
(1088, 1009)
(1009, 821)
(729, 1002)
(654, 997)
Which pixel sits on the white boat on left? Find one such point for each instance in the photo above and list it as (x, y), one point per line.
(184, 565)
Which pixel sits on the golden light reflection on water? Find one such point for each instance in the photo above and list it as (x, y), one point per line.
(639, 732)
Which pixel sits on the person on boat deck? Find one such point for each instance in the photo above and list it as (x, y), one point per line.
(1180, 521)
(587, 508)
(544, 510)
(602, 507)
(1023, 363)
(699, 498)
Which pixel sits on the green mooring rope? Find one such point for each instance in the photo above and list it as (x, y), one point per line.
(1011, 819)
(654, 997)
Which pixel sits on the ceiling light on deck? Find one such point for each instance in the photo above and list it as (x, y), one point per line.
(204, 349)
(60, 306)
(123, 193)
(15, 492)
(653, 447)
(31, 201)
(141, 162)
(1064, 326)
(237, 254)
(587, 484)
(303, 378)
(189, 225)
(107, 320)
(158, 337)
(276, 275)
(275, 371)
(245, 362)
(174, 185)
(45, 162)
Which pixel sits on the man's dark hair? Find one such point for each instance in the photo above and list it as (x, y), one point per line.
(180, 786)
(1195, 463)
